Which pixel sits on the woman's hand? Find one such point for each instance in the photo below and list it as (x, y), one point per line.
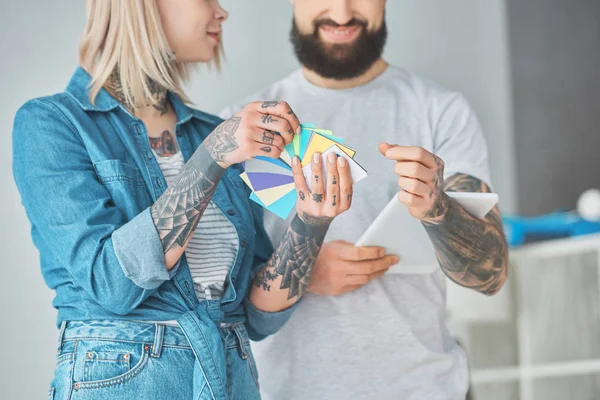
(260, 129)
(320, 206)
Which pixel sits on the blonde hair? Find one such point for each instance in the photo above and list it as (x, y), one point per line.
(126, 37)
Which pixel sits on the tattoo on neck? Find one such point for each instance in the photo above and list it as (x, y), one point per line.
(159, 101)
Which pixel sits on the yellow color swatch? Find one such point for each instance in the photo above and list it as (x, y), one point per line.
(271, 195)
(320, 144)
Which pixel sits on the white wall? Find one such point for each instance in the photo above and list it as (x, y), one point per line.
(461, 44)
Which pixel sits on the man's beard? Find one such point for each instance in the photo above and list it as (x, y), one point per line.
(339, 61)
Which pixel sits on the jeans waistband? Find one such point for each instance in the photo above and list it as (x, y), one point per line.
(153, 333)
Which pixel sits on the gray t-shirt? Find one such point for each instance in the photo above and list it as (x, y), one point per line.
(388, 339)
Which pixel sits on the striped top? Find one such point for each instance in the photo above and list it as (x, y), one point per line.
(214, 245)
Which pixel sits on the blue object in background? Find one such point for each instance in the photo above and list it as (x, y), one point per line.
(521, 230)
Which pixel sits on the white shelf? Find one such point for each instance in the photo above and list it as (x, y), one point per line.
(569, 368)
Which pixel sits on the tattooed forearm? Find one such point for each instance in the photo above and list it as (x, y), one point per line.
(294, 259)
(472, 252)
(177, 212)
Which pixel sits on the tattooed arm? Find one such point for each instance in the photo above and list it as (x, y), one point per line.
(286, 276)
(247, 134)
(472, 252)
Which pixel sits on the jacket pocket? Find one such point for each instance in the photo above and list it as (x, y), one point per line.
(116, 170)
(126, 186)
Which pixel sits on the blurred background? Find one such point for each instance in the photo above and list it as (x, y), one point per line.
(531, 70)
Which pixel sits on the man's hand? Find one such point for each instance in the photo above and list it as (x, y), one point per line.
(421, 176)
(341, 267)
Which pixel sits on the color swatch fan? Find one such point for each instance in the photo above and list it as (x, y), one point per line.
(272, 180)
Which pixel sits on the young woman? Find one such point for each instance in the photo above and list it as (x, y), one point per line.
(160, 262)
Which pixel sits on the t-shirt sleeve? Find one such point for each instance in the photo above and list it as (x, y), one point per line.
(458, 138)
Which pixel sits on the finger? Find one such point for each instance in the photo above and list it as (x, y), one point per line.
(276, 124)
(317, 178)
(354, 253)
(282, 110)
(261, 149)
(346, 189)
(371, 266)
(410, 200)
(415, 187)
(361, 280)
(299, 180)
(411, 169)
(332, 196)
(270, 138)
(384, 147)
(410, 153)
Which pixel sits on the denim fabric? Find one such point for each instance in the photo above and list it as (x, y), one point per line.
(87, 179)
(127, 360)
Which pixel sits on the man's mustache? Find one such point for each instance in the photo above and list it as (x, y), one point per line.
(328, 22)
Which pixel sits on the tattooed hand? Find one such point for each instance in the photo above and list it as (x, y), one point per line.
(260, 129)
(317, 204)
(421, 176)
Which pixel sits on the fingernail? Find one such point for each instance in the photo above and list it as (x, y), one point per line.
(316, 158)
(331, 157)
(298, 130)
(295, 160)
(388, 153)
(341, 162)
(396, 259)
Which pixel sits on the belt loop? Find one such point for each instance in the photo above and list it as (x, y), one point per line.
(243, 352)
(61, 335)
(158, 340)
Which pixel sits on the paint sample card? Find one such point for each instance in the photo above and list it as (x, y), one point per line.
(357, 172)
(272, 181)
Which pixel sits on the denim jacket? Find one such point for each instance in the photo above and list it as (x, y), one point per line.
(87, 178)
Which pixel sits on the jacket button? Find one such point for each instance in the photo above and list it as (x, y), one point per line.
(244, 244)
(231, 212)
(148, 156)
(158, 182)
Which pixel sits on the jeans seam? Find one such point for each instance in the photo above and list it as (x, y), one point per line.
(101, 339)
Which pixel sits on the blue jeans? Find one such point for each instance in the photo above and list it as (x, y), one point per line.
(137, 360)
